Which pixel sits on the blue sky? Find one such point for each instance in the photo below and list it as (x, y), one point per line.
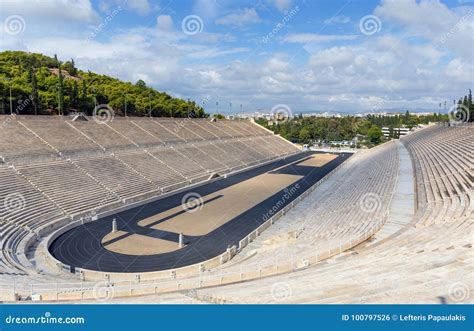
(340, 55)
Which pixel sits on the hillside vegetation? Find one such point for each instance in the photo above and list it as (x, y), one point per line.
(45, 85)
(312, 129)
(309, 130)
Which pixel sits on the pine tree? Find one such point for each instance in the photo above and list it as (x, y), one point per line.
(34, 93)
(30, 75)
(75, 96)
(470, 106)
(2, 97)
(83, 102)
(407, 117)
(60, 91)
(73, 68)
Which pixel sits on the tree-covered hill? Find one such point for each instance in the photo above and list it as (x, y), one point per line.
(44, 85)
(308, 130)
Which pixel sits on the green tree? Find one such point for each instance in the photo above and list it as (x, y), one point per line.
(304, 135)
(140, 83)
(471, 106)
(84, 103)
(375, 134)
(34, 92)
(219, 116)
(75, 96)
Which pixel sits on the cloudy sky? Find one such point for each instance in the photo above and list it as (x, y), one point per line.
(312, 55)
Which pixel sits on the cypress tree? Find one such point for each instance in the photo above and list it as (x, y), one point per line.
(60, 91)
(34, 93)
(470, 106)
(75, 96)
(83, 102)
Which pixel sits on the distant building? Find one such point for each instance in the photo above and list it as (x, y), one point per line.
(397, 132)
(343, 143)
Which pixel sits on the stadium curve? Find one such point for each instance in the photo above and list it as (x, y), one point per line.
(83, 247)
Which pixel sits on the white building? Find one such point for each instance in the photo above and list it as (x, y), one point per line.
(397, 132)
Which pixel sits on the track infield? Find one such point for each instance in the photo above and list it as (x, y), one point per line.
(223, 212)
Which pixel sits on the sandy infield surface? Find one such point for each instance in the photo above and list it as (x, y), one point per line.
(212, 211)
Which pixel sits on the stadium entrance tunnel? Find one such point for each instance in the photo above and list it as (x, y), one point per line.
(192, 226)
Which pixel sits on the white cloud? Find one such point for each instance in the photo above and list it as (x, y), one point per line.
(281, 5)
(335, 56)
(344, 78)
(384, 69)
(51, 10)
(208, 53)
(432, 20)
(313, 37)
(142, 7)
(164, 22)
(459, 70)
(206, 8)
(240, 18)
(340, 19)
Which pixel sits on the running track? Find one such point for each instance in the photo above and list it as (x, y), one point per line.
(81, 247)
